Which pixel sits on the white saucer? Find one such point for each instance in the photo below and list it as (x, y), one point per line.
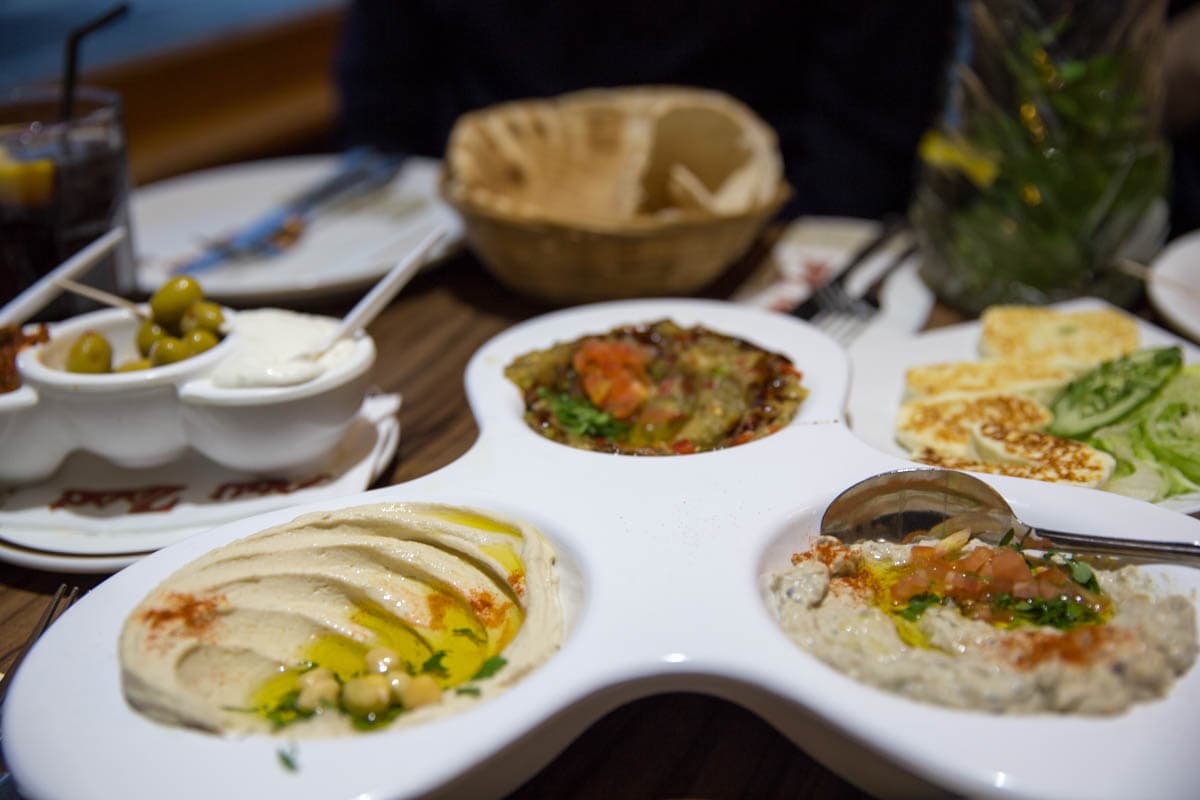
(93, 517)
(1176, 267)
(343, 250)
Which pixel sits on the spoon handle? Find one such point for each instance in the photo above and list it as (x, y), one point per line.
(1134, 549)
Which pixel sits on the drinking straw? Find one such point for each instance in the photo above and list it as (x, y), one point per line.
(71, 57)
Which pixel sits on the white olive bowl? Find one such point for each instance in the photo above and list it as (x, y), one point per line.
(151, 417)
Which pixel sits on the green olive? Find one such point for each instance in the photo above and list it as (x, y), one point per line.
(200, 340)
(90, 353)
(173, 298)
(134, 365)
(202, 314)
(168, 350)
(148, 333)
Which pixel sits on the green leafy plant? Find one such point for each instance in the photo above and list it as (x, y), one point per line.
(1030, 195)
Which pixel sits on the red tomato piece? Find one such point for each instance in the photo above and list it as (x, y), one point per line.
(613, 375)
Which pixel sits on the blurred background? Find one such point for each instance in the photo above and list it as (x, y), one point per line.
(198, 87)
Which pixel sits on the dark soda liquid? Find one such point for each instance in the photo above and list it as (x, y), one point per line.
(87, 199)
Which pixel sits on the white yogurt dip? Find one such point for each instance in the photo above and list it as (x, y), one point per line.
(272, 347)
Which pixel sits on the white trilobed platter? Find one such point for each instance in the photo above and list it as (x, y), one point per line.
(661, 564)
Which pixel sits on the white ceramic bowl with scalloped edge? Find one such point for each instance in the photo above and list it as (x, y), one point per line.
(150, 417)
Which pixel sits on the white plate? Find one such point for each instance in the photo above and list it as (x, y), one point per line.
(91, 516)
(344, 249)
(880, 359)
(1172, 273)
(662, 561)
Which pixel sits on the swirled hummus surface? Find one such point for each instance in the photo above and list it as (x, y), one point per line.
(345, 620)
(657, 389)
(1000, 629)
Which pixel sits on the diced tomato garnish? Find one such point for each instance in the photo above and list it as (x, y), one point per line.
(613, 375)
(961, 585)
(973, 561)
(1025, 590)
(923, 554)
(1048, 588)
(683, 447)
(914, 583)
(1009, 565)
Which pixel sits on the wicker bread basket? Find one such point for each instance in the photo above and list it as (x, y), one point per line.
(616, 193)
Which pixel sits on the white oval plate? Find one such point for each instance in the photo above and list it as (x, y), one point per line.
(94, 517)
(1174, 284)
(881, 357)
(343, 249)
(662, 562)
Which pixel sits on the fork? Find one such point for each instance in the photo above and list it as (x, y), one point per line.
(843, 316)
(59, 603)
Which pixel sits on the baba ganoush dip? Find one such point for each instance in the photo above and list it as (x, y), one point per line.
(657, 389)
(964, 624)
(343, 621)
(272, 347)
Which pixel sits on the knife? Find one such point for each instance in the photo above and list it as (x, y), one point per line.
(358, 172)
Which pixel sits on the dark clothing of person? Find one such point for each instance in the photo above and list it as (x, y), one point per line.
(849, 86)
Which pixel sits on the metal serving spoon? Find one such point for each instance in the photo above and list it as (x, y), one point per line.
(892, 505)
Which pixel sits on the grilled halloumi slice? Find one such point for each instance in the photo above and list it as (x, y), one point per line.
(987, 467)
(1086, 470)
(943, 424)
(1032, 378)
(1077, 340)
(1052, 458)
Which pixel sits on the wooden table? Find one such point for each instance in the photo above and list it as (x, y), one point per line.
(673, 745)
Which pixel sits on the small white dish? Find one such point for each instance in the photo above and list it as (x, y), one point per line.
(881, 358)
(344, 249)
(1175, 267)
(662, 561)
(152, 417)
(94, 517)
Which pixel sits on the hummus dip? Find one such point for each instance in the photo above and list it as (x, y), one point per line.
(657, 389)
(346, 620)
(964, 624)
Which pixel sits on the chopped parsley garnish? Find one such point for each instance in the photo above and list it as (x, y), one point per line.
(285, 711)
(470, 690)
(489, 668)
(917, 605)
(579, 416)
(1007, 540)
(1061, 612)
(287, 758)
(1082, 574)
(470, 634)
(370, 722)
(434, 663)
